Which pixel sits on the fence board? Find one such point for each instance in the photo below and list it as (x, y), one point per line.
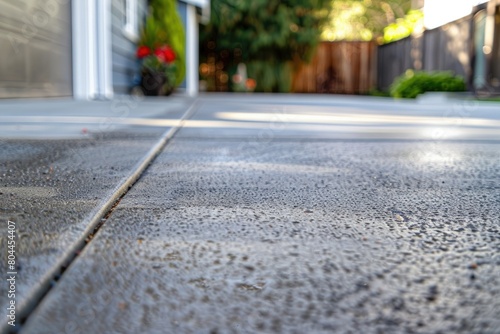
(338, 68)
(446, 48)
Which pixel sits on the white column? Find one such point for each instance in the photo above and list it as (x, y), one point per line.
(191, 51)
(83, 13)
(92, 64)
(104, 50)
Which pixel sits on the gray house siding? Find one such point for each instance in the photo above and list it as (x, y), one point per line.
(125, 65)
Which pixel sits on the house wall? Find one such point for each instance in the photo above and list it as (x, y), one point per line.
(125, 65)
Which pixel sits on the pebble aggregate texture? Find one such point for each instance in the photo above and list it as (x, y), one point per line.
(56, 173)
(48, 189)
(229, 232)
(295, 238)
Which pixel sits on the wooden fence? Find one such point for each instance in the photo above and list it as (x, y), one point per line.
(447, 48)
(339, 68)
(394, 59)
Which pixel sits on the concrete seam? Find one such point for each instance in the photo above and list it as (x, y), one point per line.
(93, 223)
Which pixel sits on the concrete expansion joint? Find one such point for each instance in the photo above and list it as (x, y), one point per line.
(94, 223)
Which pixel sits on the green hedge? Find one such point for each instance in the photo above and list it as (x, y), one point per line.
(411, 84)
(169, 30)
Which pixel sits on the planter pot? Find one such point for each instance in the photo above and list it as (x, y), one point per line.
(155, 84)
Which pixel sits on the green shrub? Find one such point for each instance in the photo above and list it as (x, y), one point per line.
(168, 29)
(411, 84)
(272, 75)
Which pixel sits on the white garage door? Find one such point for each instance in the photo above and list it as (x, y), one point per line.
(35, 48)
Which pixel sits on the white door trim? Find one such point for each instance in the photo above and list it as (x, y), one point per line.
(92, 63)
(104, 49)
(192, 79)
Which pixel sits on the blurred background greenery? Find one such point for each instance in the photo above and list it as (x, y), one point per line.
(258, 45)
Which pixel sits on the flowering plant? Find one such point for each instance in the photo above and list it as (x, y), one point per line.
(159, 64)
(161, 49)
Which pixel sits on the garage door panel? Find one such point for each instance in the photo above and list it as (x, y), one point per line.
(34, 22)
(47, 63)
(21, 6)
(35, 48)
(13, 61)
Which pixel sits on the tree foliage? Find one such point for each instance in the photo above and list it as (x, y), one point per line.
(267, 35)
(362, 19)
(404, 27)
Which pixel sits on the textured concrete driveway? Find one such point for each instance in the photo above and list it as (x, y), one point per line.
(292, 214)
(59, 176)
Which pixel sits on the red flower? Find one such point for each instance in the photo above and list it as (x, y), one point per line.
(165, 54)
(251, 84)
(143, 51)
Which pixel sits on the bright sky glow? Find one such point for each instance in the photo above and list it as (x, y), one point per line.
(439, 12)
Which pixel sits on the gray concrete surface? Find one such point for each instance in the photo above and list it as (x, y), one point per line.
(68, 119)
(265, 118)
(54, 180)
(292, 214)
